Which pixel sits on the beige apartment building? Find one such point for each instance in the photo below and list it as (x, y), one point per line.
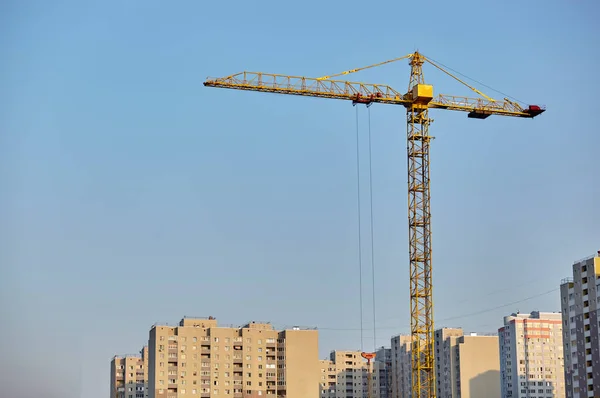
(401, 367)
(198, 358)
(129, 375)
(531, 356)
(346, 374)
(467, 366)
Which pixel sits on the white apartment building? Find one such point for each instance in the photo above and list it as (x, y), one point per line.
(580, 300)
(401, 367)
(531, 356)
(446, 361)
(383, 371)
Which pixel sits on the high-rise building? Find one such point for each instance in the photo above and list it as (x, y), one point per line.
(467, 366)
(328, 383)
(446, 361)
(129, 375)
(531, 356)
(197, 358)
(383, 371)
(401, 367)
(346, 375)
(580, 301)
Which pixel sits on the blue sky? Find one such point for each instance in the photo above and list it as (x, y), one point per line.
(131, 194)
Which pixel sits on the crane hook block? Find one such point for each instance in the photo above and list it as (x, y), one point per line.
(368, 355)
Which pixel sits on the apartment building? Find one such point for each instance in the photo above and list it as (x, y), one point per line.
(531, 356)
(346, 373)
(580, 300)
(467, 366)
(328, 383)
(401, 367)
(198, 358)
(383, 370)
(446, 361)
(129, 375)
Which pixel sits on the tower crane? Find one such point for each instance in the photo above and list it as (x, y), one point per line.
(418, 100)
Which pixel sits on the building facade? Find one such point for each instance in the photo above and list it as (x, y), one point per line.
(383, 371)
(531, 356)
(401, 367)
(580, 300)
(197, 358)
(129, 375)
(467, 366)
(346, 375)
(446, 361)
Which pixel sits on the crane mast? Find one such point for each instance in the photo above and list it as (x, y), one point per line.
(419, 234)
(417, 101)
